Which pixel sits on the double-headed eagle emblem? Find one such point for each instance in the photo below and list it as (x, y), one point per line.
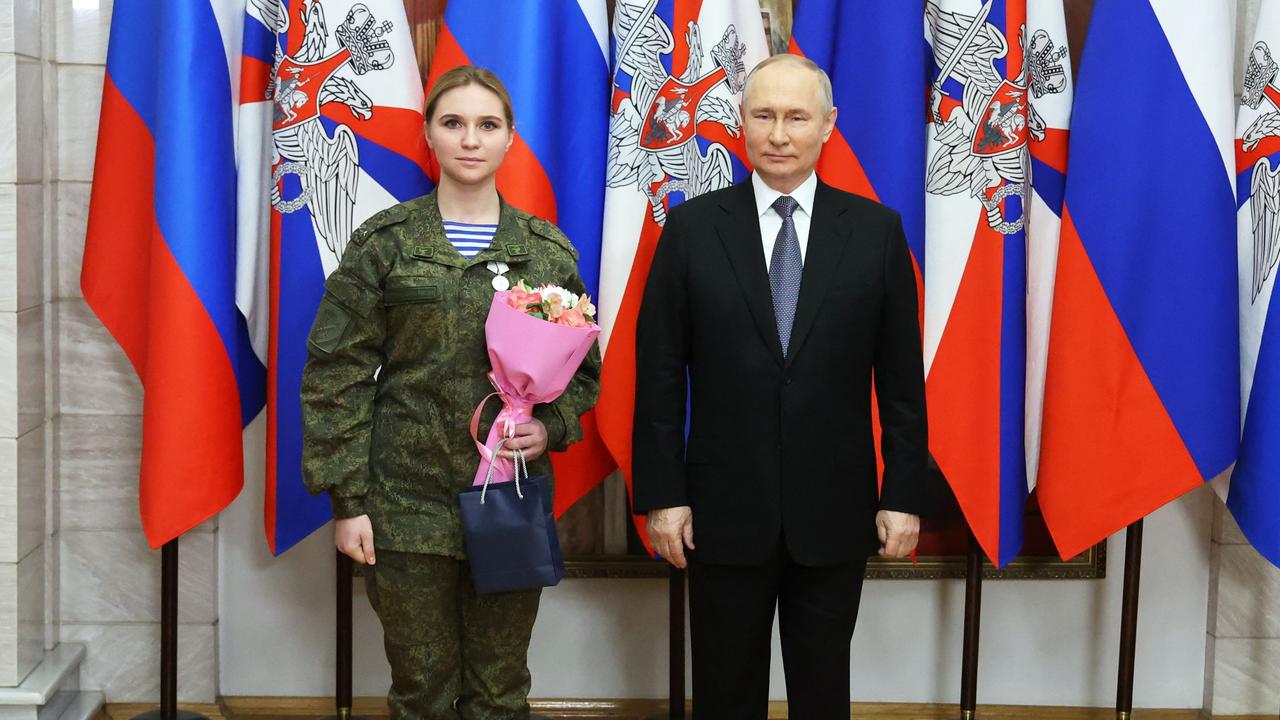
(983, 139)
(651, 134)
(1264, 201)
(305, 79)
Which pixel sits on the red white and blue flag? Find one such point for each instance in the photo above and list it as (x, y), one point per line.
(999, 107)
(553, 57)
(1252, 492)
(331, 133)
(675, 133)
(160, 254)
(1142, 395)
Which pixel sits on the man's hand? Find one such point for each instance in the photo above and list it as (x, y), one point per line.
(354, 538)
(670, 532)
(531, 437)
(899, 533)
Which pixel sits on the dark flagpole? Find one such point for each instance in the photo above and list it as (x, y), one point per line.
(1129, 620)
(676, 612)
(972, 630)
(342, 633)
(169, 640)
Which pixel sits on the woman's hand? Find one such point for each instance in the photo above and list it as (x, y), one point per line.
(354, 538)
(531, 437)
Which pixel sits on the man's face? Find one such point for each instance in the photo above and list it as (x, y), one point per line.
(785, 124)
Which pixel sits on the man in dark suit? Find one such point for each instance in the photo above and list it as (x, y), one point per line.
(770, 306)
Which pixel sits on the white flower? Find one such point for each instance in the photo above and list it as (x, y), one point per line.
(567, 299)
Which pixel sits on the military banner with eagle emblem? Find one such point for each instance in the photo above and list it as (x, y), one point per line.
(999, 107)
(1252, 492)
(331, 132)
(679, 71)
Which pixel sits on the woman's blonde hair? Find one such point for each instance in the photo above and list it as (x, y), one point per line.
(464, 75)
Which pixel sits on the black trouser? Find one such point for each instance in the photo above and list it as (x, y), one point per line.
(731, 612)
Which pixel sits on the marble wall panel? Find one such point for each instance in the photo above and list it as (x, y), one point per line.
(6, 26)
(79, 87)
(30, 492)
(8, 118)
(30, 611)
(123, 661)
(8, 246)
(30, 121)
(26, 28)
(72, 219)
(99, 458)
(1225, 528)
(8, 375)
(29, 369)
(28, 246)
(95, 376)
(21, 617)
(1246, 677)
(21, 495)
(51, 590)
(8, 499)
(1248, 595)
(113, 576)
(82, 30)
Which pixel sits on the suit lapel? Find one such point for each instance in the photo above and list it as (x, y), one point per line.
(822, 259)
(739, 231)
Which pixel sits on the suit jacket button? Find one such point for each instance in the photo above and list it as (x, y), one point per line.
(786, 380)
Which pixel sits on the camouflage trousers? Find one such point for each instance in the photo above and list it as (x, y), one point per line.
(454, 654)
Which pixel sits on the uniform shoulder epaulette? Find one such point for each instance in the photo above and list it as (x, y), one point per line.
(547, 230)
(377, 221)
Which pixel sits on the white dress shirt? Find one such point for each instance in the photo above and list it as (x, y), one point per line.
(771, 221)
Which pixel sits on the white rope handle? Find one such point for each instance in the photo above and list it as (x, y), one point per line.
(519, 463)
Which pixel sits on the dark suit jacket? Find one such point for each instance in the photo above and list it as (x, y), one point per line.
(779, 446)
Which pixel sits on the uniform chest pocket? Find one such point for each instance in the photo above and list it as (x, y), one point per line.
(404, 290)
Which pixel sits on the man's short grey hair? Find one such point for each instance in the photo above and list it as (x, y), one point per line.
(824, 82)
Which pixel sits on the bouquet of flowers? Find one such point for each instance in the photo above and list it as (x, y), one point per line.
(537, 337)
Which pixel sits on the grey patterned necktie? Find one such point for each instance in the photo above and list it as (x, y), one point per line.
(784, 270)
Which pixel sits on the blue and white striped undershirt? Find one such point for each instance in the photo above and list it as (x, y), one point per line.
(469, 239)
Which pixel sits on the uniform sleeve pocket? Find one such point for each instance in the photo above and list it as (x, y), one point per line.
(331, 324)
(408, 289)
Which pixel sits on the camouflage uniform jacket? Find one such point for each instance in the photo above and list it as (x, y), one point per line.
(397, 364)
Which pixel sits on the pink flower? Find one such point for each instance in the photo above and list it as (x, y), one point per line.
(555, 307)
(586, 307)
(523, 300)
(573, 317)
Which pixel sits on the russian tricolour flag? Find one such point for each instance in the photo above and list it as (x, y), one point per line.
(1253, 490)
(160, 255)
(675, 133)
(553, 57)
(331, 133)
(1142, 396)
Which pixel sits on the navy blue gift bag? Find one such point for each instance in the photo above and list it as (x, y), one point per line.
(510, 533)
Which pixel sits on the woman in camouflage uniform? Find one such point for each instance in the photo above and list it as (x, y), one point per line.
(397, 365)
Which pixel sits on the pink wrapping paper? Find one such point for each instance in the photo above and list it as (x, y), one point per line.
(533, 361)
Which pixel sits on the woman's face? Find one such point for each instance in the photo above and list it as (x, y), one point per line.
(469, 134)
